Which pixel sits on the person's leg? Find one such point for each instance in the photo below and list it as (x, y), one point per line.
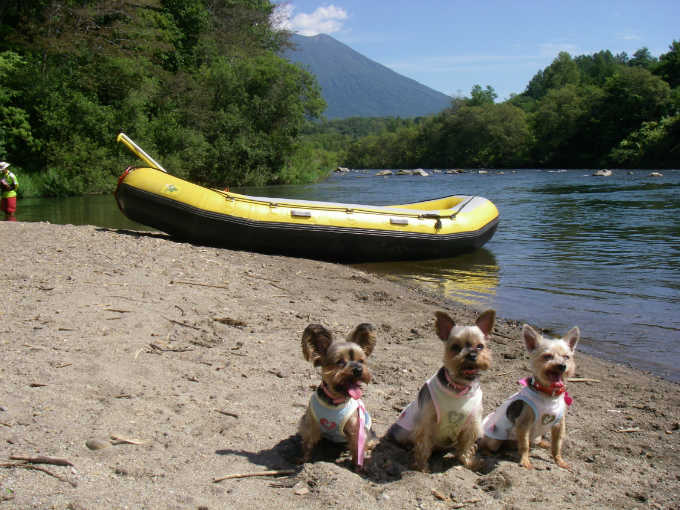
(9, 206)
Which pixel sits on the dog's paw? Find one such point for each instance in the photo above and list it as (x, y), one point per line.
(561, 463)
(526, 463)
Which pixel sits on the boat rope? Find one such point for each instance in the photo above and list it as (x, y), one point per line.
(377, 210)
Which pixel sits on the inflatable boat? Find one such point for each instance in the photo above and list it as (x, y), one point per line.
(339, 232)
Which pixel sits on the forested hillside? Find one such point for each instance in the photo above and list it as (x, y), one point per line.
(198, 83)
(579, 112)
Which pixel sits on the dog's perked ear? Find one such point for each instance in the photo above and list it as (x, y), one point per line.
(572, 337)
(486, 321)
(364, 336)
(444, 325)
(531, 338)
(315, 343)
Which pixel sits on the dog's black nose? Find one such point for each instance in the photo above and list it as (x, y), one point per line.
(562, 367)
(472, 356)
(357, 370)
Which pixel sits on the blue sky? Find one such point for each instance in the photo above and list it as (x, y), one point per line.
(452, 45)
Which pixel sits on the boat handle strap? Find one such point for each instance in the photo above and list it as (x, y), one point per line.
(438, 217)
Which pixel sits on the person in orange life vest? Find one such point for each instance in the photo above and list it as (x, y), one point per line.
(8, 192)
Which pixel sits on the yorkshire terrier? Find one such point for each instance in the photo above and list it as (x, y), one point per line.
(448, 411)
(336, 411)
(542, 404)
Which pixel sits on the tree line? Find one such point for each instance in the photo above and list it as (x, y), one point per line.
(198, 83)
(586, 111)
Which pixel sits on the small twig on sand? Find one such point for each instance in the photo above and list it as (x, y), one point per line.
(25, 465)
(582, 379)
(37, 385)
(270, 282)
(631, 429)
(279, 472)
(227, 413)
(199, 284)
(180, 323)
(230, 322)
(169, 349)
(438, 495)
(124, 440)
(42, 460)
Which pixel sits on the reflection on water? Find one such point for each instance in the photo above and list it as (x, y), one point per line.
(100, 210)
(471, 278)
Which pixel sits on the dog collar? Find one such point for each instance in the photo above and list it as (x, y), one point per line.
(461, 389)
(554, 390)
(334, 400)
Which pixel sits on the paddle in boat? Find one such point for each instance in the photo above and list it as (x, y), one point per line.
(339, 232)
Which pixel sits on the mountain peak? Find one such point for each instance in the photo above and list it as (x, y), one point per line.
(356, 86)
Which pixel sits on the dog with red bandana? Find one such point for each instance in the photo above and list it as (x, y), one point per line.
(542, 404)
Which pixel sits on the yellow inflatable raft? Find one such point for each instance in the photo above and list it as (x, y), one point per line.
(339, 232)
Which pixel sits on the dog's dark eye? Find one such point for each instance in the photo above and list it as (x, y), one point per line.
(480, 347)
(455, 348)
(566, 358)
(341, 363)
(547, 356)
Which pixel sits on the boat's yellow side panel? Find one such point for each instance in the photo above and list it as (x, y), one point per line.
(469, 213)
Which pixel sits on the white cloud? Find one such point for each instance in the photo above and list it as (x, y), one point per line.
(324, 20)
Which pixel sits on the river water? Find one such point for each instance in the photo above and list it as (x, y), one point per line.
(571, 249)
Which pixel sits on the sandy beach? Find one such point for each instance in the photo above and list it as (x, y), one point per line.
(151, 367)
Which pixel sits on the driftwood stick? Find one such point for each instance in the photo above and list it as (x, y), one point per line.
(169, 349)
(42, 460)
(123, 440)
(277, 472)
(180, 323)
(47, 471)
(227, 413)
(230, 322)
(271, 282)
